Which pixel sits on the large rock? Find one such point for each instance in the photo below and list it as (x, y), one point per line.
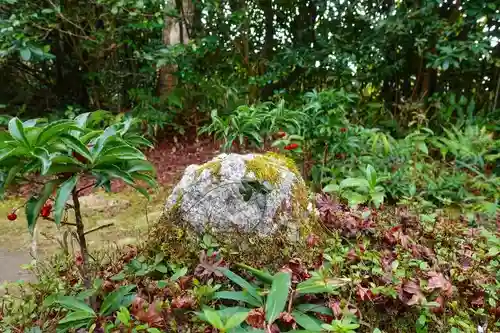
(210, 197)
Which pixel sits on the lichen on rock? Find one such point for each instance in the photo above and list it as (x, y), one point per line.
(208, 199)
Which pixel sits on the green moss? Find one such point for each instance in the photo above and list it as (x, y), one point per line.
(181, 244)
(213, 166)
(267, 167)
(286, 161)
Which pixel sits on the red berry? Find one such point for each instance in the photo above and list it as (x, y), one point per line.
(46, 209)
(291, 146)
(281, 134)
(12, 216)
(343, 129)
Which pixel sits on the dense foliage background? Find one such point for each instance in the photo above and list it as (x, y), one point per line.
(426, 61)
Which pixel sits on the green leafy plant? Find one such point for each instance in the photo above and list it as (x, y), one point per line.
(360, 190)
(60, 154)
(221, 322)
(242, 127)
(80, 315)
(276, 296)
(344, 325)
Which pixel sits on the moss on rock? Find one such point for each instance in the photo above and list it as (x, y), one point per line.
(267, 167)
(213, 166)
(180, 243)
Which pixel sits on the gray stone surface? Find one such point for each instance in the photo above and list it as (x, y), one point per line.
(10, 266)
(208, 195)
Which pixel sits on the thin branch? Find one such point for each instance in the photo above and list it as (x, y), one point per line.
(63, 31)
(98, 228)
(61, 15)
(85, 187)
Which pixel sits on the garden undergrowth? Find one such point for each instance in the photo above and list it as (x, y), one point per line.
(384, 270)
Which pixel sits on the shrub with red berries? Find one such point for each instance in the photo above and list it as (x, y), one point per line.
(292, 146)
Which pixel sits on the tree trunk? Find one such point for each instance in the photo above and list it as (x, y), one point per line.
(175, 31)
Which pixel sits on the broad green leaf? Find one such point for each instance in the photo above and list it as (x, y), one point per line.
(142, 191)
(161, 268)
(355, 198)
(378, 198)
(277, 297)
(77, 146)
(35, 204)
(145, 178)
(30, 123)
(371, 175)
(62, 197)
(179, 273)
(123, 315)
(422, 147)
(71, 303)
(264, 276)
(81, 119)
(5, 153)
(307, 307)
(25, 54)
(54, 130)
(213, 318)
(115, 299)
(126, 123)
(331, 188)
(86, 138)
(76, 317)
(102, 139)
(244, 284)
(140, 165)
(237, 296)
(115, 154)
(112, 171)
(11, 175)
(236, 320)
(137, 141)
(57, 169)
(319, 286)
(43, 155)
(307, 322)
(16, 130)
(354, 182)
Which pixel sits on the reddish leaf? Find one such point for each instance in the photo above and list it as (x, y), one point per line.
(335, 307)
(438, 281)
(209, 266)
(440, 308)
(411, 294)
(183, 302)
(287, 318)
(147, 313)
(256, 318)
(364, 294)
(312, 240)
(352, 256)
(478, 300)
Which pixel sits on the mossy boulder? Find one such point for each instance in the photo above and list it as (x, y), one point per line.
(260, 228)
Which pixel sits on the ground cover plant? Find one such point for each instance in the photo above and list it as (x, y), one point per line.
(390, 109)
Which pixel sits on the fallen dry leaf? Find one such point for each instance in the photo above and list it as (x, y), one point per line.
(256, 318)
(411, 294)
(147, 313)
(438, 281)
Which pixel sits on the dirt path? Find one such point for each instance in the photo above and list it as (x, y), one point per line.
(10, 266)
